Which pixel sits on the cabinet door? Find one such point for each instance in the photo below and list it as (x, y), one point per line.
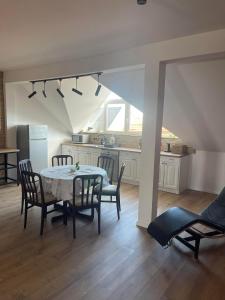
(171, 175)
(130, 171)
(75, 156)
(94, 157)
(67, 150)
(161, 174)
(84, 157)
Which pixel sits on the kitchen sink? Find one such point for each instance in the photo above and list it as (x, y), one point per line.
(109, 146)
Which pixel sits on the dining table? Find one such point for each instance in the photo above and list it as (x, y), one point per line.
(58, 181)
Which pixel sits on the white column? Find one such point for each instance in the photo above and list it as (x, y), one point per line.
(151, 141)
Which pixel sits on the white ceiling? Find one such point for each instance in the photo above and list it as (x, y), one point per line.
(45, 31)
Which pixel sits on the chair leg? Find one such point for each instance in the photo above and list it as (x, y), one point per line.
(43, 216)
(196, 251)
(118, 207)
(99, 219)
(119, 200)
(25, 214)
(74, 224)
(92, 214)
(65, 212)
(22, 204)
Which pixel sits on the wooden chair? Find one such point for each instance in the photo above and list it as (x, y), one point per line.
(62, 160)
(24, 165)
(107, 163)
(113, 191)
(84, 197)
(35, 196)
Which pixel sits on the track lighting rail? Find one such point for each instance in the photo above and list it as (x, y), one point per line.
(59, 90)
(67, 77)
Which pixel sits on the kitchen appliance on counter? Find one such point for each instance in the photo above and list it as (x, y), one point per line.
(32, 140)
(109, 142)
(80, 138)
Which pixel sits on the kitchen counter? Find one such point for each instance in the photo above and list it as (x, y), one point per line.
(106, 148)
(170, 154)
(135, 150)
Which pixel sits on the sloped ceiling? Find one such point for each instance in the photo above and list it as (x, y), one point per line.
(73, 111)
(53, 104)
(128, 84)
(83, 108)
(194, 106)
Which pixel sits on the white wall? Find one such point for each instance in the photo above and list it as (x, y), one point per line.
(207, 171)
(151, 55)
(194, 105)
(21, 111)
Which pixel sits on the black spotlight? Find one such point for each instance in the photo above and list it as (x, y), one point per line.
(75, 90)
(98, 87)
(59, 89)
(33, 91)
(141, 2)
(43, 91)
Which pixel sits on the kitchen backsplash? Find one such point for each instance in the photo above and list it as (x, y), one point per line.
(129, 141)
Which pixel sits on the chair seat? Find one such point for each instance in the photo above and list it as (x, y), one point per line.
(49, 199)
(78, 202)
(109, 190)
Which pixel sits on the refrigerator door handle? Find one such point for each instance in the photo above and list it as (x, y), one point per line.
(43, 139)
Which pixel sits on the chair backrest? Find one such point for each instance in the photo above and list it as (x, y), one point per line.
(120, 176)
(61, 160)
(215, 212)
(84, 191)
(107, 163)
(32, 187)
(25, 165)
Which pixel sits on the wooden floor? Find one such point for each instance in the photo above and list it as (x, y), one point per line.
(122, 263)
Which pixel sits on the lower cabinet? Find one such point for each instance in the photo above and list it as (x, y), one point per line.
(67, 150)
(173, 171)
(173, 174)
(132, 170)
(95, 153)
(83, 155)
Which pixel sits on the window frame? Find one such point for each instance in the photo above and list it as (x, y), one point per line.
(126, 130)
(106, 116)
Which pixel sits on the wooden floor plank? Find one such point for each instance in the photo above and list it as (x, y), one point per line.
(122, 263)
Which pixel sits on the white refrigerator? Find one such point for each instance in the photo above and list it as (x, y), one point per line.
(32, 140)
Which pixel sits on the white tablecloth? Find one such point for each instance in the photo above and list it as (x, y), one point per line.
(59, 180)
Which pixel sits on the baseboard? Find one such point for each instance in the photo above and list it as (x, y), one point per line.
(216, 192)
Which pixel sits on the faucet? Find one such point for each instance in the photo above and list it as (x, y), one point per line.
(103, 140)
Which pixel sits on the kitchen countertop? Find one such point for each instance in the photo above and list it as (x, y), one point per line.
(135, 150)
(106, 148)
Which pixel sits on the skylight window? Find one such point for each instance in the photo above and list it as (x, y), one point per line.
(123, 117)
(168, 134)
